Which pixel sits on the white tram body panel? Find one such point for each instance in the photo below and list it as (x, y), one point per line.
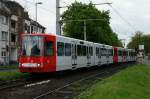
(64, 60)
(110, 54)
(74, 53)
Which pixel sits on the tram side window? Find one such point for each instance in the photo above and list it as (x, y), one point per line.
(67, 49)
(79, 50)
(84, 50)
(111, 52)
(103, 52)
(106, 52)
(91, 51)
(87, 50)
(127, 53)
(49, 48)
(120, 53)
(100, 52)
(60, 49)
(97, 51)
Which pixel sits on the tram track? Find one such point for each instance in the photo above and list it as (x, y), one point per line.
(14, 83)
(58, 84)
(19, 82)
(53, 93)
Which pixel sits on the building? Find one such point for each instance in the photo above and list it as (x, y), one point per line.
(14, 21)
(4, 33)
(34, 27)
(17, 20)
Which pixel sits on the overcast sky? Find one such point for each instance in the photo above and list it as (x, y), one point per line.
(136, 13)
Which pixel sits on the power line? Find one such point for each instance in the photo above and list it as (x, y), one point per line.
(64, 2)
(92, 4)
(122, 17)
(83, 20)
(33, 3)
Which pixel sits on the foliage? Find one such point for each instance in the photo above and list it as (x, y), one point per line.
(97, 30)
(132, 83)
(138, 39)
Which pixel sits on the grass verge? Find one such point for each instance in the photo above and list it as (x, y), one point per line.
(9, 67)
(7, 76)
(132, 83)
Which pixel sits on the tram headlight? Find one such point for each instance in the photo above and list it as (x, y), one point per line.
(38, 65)
(34, 65)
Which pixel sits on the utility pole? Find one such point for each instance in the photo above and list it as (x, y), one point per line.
(58, 28)
(85, 30)
(85, 23)
(36, 4)
(58, 25)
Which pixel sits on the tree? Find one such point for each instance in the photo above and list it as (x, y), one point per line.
(97, 30)
(135, 41)
(140, 39)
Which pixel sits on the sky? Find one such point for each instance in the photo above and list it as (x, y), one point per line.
(127, 16)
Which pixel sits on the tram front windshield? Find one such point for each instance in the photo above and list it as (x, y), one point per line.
(32, 46)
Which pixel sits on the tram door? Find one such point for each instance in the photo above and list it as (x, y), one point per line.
(89, 53)
(74, 55)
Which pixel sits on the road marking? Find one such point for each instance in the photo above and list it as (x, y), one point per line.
(37, 83)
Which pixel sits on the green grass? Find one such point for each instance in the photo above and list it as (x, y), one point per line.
(132, 83)
(7, 76)
(9, 67)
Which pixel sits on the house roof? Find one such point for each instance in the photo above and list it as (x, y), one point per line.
(4, 10)
(36, 23)
(16, 9)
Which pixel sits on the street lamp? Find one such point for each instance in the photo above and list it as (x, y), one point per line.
(36, 13)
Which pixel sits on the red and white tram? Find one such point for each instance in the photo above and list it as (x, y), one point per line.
(49, 53)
